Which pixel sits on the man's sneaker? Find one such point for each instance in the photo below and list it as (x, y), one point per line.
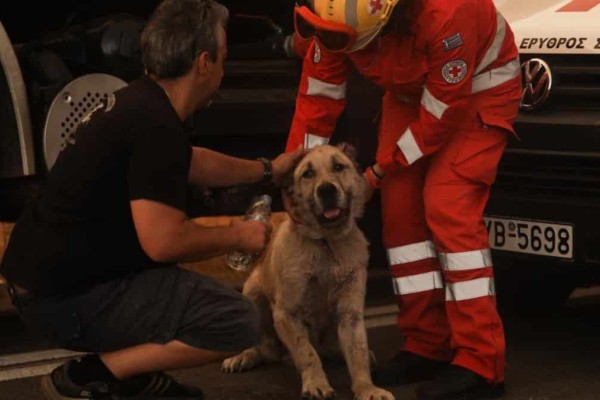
(457, 383)
(161, 387)
(58, 386)
(405, 368)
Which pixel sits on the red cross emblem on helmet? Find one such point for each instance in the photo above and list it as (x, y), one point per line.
(375, 6)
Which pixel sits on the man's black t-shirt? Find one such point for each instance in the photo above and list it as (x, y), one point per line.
(80, 231)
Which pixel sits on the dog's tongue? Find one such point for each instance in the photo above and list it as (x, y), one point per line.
(333, 213)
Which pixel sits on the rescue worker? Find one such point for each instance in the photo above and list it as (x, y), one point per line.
(451, 76)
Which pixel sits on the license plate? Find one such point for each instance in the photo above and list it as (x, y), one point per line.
(530, 237)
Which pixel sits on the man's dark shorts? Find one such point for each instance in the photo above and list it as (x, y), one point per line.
(154, 306)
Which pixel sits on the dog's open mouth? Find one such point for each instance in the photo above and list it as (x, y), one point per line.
(333, 216)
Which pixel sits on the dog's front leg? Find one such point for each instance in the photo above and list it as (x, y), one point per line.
(353, 341)
(294, 335)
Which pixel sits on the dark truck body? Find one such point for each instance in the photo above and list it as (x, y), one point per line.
(547, 193)
(549, 176)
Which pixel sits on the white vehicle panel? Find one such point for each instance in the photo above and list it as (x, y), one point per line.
(554, 27)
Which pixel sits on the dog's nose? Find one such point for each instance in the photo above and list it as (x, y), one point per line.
(327, 192)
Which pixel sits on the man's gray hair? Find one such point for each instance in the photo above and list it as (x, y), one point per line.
(179, 30)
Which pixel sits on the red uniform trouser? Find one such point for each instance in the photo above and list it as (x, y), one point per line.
(437, 245)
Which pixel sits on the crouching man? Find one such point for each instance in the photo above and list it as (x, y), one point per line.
(92, 262)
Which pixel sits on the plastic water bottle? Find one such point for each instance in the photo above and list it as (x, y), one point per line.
(259, 210)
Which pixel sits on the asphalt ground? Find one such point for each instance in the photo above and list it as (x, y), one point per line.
(549, 357)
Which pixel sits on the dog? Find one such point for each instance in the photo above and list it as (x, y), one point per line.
(310, 282)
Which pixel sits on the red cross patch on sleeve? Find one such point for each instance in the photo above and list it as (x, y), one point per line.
(454, 71)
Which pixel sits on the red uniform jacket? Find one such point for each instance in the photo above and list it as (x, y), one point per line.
(460, 61)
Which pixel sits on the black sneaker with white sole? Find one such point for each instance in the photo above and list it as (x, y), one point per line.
(58, 386)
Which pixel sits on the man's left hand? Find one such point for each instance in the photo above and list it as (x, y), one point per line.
(284, 162)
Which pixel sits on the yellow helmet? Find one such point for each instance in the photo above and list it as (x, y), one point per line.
(366, 17)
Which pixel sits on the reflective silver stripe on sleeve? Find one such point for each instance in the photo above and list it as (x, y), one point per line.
(418, 283)
(492, 54)
(466, 260)
(474, 289)
(433, 105)
(320, 88)
(311, 140)
(409, 147)
(496, 76)
(411, 252)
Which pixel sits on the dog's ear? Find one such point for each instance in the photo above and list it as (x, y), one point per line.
(348, 149)
(287, 181)
(287, 187)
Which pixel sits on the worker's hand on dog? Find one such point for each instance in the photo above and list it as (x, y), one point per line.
(252, 236)
(369, 189)
(284, 162)
(373, 176)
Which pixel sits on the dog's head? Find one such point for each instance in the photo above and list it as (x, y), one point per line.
(326, 191)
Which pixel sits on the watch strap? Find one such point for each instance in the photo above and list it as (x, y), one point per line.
(268, 170)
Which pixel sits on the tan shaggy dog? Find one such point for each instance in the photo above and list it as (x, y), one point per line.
(310, 283)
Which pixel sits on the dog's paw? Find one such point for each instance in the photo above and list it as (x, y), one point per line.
(315, 389)
(370, 392)
(242, 362)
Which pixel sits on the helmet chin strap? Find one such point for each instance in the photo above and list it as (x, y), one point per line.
(362, 43)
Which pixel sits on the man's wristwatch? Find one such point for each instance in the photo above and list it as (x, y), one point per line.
(268, 170)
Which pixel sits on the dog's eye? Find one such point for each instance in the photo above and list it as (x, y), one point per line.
(337, 167)
(309, 173)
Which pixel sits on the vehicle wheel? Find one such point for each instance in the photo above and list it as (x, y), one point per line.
(533, 290)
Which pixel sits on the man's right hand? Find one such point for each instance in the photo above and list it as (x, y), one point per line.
(253, 236)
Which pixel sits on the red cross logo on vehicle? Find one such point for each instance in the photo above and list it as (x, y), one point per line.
(375, 6)
(579, 6)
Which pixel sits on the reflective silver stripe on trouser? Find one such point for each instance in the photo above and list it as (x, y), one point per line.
(411, 252)
(311, 140)
(473, 289)
(497, 76)
(409, 147)
(433, 105)
(330, 90)
(418, 283)
(466, 260)
(492, 54)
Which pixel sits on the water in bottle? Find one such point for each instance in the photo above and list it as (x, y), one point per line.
(259, 210)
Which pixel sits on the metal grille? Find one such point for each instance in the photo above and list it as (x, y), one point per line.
(70, 106)
(553, 176)
(576, 81)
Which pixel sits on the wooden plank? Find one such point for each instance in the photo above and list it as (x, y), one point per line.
(5, 304)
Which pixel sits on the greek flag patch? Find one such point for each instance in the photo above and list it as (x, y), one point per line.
(452, 42)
